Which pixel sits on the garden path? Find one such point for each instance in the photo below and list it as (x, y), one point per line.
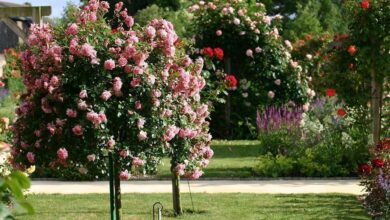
(207, 186)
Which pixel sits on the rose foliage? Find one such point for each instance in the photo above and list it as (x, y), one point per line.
(91, 90)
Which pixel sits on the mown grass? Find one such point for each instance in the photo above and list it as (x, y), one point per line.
(207, 206)
(231, 159)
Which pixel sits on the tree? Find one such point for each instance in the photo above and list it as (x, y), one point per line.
(94, 91)
(256, 58)
(360, 58)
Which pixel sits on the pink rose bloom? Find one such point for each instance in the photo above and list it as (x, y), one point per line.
(77, 130)
(124, 175)
(105, 95)
(52, 128)
(240, 12)
(110, 143)
(138, 70)
(118, 6)
(83, 94)
(105, 6)
(82, 105)
(37, 133)
(278, 82)
(306, 107)
(288, 44)
(208, 153)
(142, 135)
(179, 169)
(249, 53)
(258, 50)
(72, 29)
(30, 157)
(137, 162)
(294, 64)
(122, 61)
(135, 82)
(151, 79)
(156, 93)
(124, 153)
(91, 157)
(140, 123)
(170, 133)
(117, 84)
(62, 154)
(102, 117)
(187, 61)
(54, 81)
(218, 33)
(151, 31)
(129, 21)
(195, 174)
(92, 17)
(138, 105)
(88, 51)
(236, 21)
(71, 113)
(271, 94)
(109, 64)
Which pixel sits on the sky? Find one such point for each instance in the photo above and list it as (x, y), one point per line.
(57, 6)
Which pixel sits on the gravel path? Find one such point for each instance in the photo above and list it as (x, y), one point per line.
(215, 186)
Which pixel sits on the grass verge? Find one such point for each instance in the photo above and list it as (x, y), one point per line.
(234, 206)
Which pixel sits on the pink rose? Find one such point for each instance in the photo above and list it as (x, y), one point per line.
(249, 53)
(122, 61)
(140, 123)
(271, 94)
(77, 130)
(30, 157)
(208, 153)
(109, 64)
(278, 82)
(124, 175)
(135, 82)
(105, 95)
(71, 113)
(138, 105)
(258, 50)
(91, 157)
(142, 135)
(72, 29)
(137, 162)
(83, 94)
(124, 153)
(82, 105)
(62, 154)
(236, 21)
(110, 143)
(117, 84)
(218, 32)
(179, 169)
(129, 21)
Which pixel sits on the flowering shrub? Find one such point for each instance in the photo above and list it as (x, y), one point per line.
(375, 179)
(90, 90)
(254, 54)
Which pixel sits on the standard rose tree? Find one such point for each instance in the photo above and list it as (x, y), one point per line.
(92, 90)
(257, 61)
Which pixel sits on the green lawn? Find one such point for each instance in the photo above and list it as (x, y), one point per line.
(231, 159)
(207, 206)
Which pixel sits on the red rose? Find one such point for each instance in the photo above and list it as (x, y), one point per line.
(231, 81)
(2, 84)
(378, 162)
(114, 30)
(365, 4)
(218, 53)
(365, 168)
(341, 112)
(352, 50)
(330, 92)
(384, 144)
(208, 51)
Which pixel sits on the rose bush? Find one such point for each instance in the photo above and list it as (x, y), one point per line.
(91, 89)
(375, 179)
(257, 57)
